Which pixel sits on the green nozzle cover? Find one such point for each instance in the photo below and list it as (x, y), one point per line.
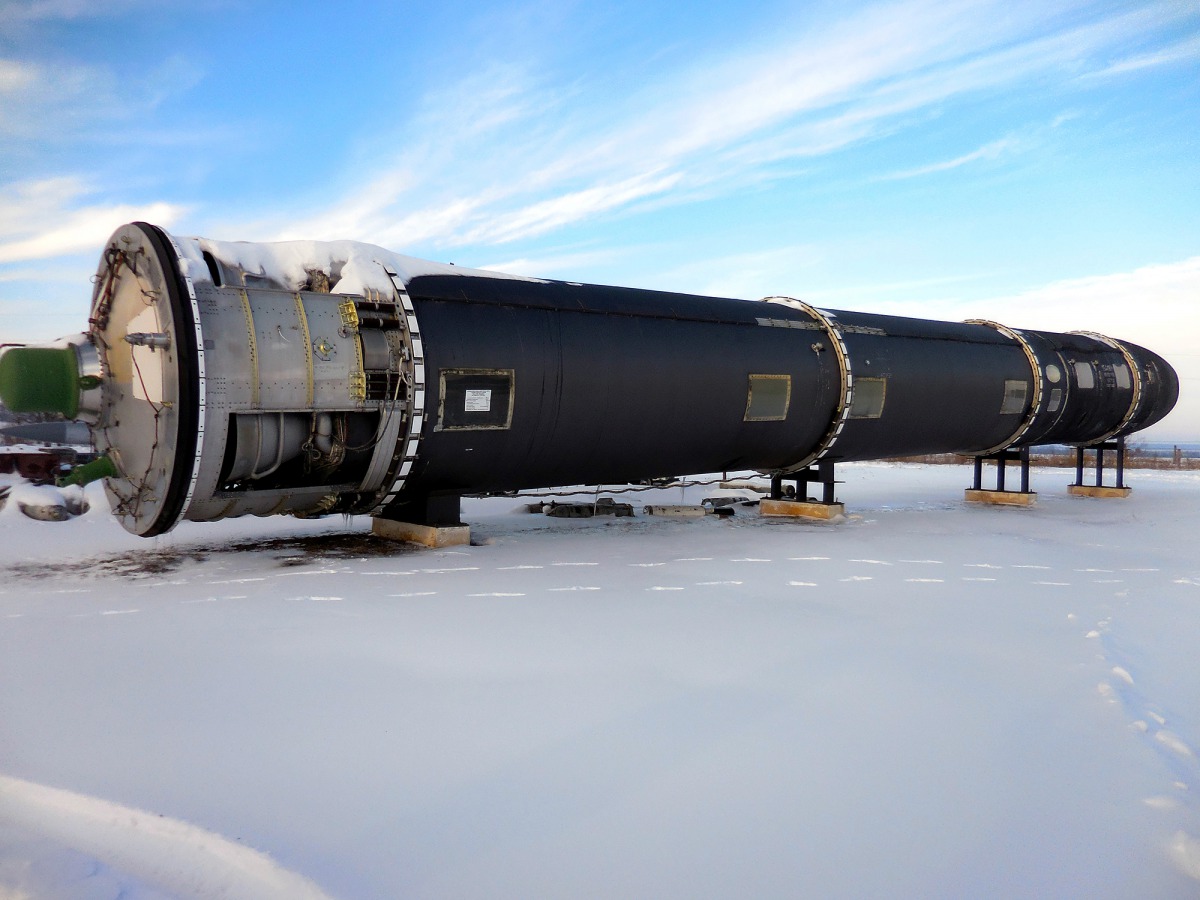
(40, 379)
(101, 467)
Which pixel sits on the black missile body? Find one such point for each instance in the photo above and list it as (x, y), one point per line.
(356, 380)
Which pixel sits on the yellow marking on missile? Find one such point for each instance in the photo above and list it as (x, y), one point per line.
(308, 350)
(252, 342)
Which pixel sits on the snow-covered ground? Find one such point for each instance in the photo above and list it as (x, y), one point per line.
(929, 699)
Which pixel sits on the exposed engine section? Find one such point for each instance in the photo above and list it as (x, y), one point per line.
(225, 379)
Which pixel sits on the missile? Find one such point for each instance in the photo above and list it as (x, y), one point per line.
(225, 379)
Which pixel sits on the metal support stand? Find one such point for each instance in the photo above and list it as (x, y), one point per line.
(1000, 495)
(1100, 489)
(795, 500)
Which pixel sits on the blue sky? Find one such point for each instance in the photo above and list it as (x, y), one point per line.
(1034, 163)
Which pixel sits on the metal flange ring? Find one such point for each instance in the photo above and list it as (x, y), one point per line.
(1036, 369)
(828, 323)
(1135, 373)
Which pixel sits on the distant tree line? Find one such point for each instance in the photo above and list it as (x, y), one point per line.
(1136, 457)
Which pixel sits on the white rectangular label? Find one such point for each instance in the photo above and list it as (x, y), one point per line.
(479, 401)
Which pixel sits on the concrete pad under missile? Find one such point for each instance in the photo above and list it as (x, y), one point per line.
(1001, 498)
(801, 509)
(676, 510)
(1102, 491)
(432, 536)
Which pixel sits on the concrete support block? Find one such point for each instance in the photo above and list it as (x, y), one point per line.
(1092, 490)
(1001, 498)
(685, 512)
(801, 509)
(432, 536)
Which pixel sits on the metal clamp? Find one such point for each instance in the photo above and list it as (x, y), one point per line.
(1035, 368)
(405, 454)
(828, 322)
(1135, 374)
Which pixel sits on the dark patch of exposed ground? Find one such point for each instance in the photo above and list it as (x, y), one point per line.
(290, 551)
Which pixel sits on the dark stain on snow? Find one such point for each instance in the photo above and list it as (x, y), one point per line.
(287, 552)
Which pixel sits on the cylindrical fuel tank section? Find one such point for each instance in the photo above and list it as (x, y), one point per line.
(305, 378)
(614, 385)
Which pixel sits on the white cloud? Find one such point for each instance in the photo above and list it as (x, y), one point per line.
(1184, 51)
(538, 218)
(50, 100)
(1154, 306)
(48, 218)
(990, 151)
(512, 154)
(60, 100)
(566, 263)
(14, 12)
(15, 76)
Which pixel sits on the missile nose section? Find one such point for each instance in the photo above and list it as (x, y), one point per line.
(1159, 388)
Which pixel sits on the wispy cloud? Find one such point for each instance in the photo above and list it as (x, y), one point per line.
(1152, 304)
(566, 262)
(990, 151)
(513, 151)
(51, 217)
(15, 12)
(1183, 51)
(513, 155)
(55, 102)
